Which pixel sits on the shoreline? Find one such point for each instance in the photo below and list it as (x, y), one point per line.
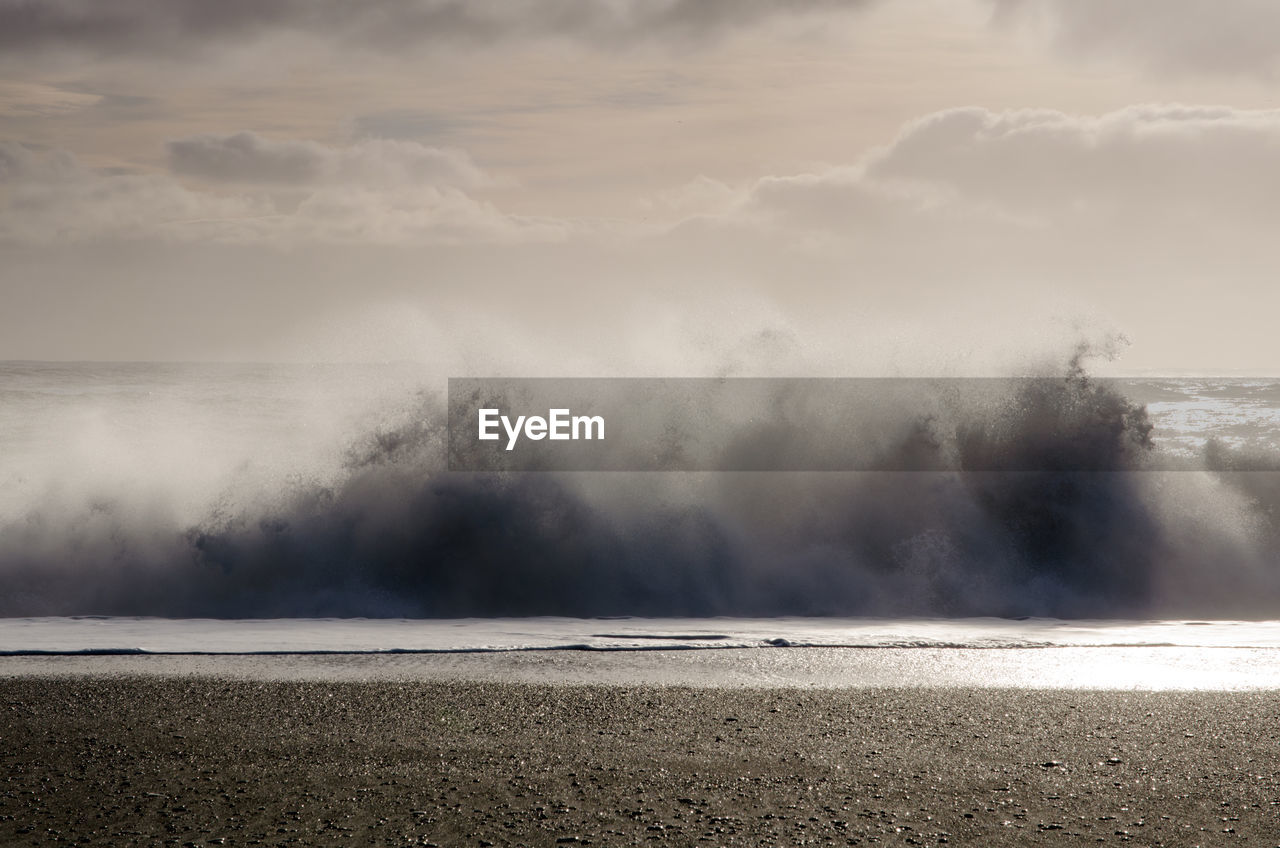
(132, 759)
(1148, 668)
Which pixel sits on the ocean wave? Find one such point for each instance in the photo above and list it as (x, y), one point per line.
(383, 529)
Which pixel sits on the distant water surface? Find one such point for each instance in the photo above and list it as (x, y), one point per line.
(105, 635)
(1040, 654)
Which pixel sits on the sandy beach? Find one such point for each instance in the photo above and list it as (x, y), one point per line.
(140, 760)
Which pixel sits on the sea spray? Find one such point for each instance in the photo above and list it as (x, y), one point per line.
(1003, 523)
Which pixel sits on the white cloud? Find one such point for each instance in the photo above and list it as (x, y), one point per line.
(1204, 36)
(954, 178)
(1160, 220)
(409, 216)
(1173, 166)
(698, 197)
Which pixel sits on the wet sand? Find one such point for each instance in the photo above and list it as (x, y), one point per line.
(146, 760)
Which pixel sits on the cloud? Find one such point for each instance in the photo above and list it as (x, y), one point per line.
(175, 27)
(1130, 217)
(410, 216)
(246, 157)
(32, 99)
(51, 197)
(960, 180)
(21, 163)
(1237, 37)
(698, 197)
(407, 123)
(376, 192)
(1170, 165)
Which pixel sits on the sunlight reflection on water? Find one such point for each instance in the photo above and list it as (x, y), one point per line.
(1146, 668)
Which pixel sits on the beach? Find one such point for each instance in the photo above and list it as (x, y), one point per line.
(639, 423)
(142, 759)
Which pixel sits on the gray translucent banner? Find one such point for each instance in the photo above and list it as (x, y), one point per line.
(1062, 424)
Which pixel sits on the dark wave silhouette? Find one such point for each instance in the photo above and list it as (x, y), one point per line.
(395, 534)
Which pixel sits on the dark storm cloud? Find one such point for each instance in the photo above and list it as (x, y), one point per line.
(1202, 36)
(150, 26)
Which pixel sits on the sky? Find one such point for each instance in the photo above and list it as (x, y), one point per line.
(646, 187)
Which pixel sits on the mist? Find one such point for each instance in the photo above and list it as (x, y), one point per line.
(361, 518)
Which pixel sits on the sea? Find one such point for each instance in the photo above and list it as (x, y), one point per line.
(301, 521)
